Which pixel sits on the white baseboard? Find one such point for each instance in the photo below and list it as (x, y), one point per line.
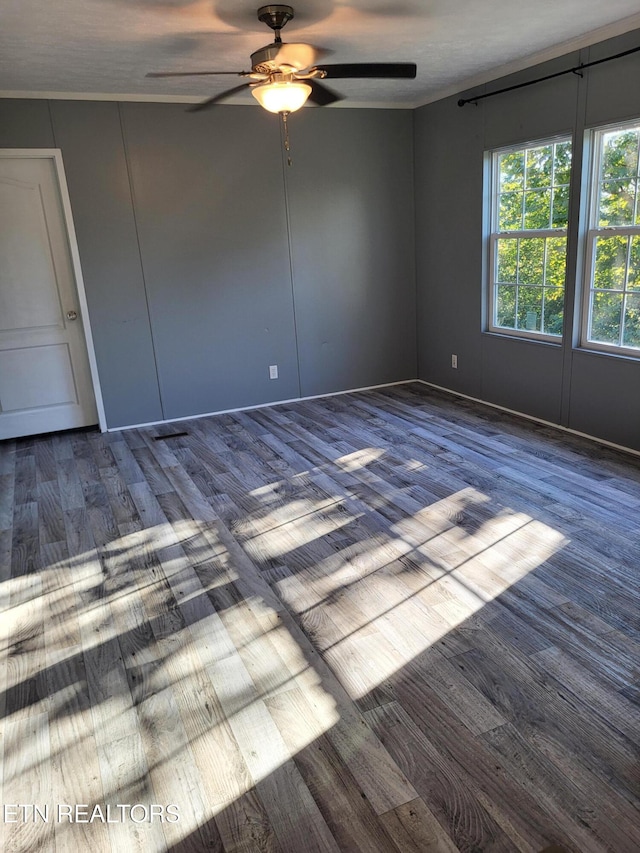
(586, 435)
(593, 438)
(261, 406)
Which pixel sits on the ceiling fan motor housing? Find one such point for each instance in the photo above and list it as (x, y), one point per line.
(263, 59)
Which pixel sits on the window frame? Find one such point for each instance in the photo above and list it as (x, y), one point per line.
(494, 235)
(591, 233)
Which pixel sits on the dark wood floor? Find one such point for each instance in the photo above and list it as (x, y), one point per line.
(384, 621)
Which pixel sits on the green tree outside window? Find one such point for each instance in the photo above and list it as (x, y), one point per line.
(529, 244)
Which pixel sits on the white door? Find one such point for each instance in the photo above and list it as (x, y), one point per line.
(45, 379)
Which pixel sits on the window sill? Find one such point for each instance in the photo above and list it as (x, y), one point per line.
(588, 349)
(527, 339)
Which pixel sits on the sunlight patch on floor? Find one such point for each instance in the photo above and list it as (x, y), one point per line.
(374, 614)
(280, 536)
(359, 459)
(103, 610)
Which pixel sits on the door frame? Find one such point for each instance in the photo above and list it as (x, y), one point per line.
(55, 155)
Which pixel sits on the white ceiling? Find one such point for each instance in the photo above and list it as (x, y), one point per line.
(103, 48)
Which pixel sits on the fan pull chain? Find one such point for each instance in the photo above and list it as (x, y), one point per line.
(287, 147)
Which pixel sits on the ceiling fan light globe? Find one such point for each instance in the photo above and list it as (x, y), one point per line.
(282, 96)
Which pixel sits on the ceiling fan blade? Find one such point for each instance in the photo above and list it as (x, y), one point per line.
(322, 95)
(299, 56)
(386, 70)
(216, 98)
(193, 73)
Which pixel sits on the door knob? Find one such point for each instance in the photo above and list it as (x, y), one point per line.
(72, 315)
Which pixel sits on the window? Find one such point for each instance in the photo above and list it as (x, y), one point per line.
(528, 246)
(612, 296)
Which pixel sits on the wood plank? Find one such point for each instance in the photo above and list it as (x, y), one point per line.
(69, 485)
(415, 829)
(27, 782)
(591, 757)
(344, 806)
(75, 768)
(50, 518)
(24, 644)
(616, 711)
(26, 483)
(6, 500)
(25, 556)
(172, 770)
(568, 810)
(463, 822)
(153, 473)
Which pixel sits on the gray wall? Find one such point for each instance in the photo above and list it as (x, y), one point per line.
(206, 258)
(590, 392)
(353, 247)
(210, 207)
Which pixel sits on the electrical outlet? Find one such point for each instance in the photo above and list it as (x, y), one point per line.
(454, 361)
(273, 371)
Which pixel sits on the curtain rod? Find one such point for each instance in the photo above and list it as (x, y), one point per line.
(578, 69)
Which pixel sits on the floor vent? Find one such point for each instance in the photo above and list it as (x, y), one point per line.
(169, 435)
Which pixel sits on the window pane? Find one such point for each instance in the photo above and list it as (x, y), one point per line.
(617, 202)
(511, 171)
(611, 261)
(631, 336)
(553, 310)
(530, 308)
(606, 309)
(556, 261)
(537, 209)
(507, 260)
(560, 214)
(506, 307)
(563, 163)
(531, 261)
(510, 216)
(620, 154)
(633, 280)
(539, 166)
(531, 195)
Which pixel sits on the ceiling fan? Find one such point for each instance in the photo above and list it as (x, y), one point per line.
(284, 76)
